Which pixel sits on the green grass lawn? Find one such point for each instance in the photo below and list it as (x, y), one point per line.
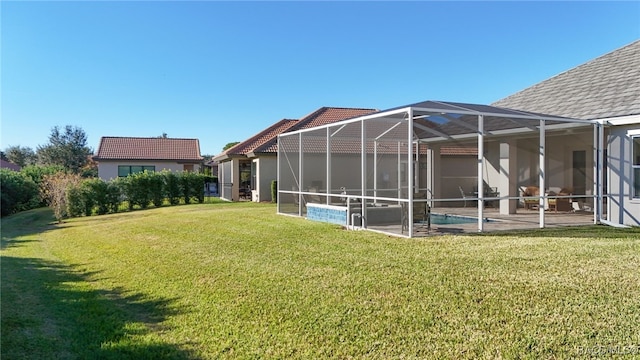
(236, 280)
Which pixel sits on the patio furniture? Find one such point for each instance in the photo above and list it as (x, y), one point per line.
(562, 204)
(465, 195)
(245, 193)
(531, 204)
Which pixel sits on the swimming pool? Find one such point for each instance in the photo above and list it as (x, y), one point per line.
(446, 219)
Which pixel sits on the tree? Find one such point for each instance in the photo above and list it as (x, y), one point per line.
(231, 144)
(19, 155)
(68, 148)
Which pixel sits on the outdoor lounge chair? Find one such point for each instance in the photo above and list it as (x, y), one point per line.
(464, 195)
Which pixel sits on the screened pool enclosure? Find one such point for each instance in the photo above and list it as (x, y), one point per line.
(443, 167)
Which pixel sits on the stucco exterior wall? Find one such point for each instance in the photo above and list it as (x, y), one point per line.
(108, 170)
(267, 171)
(622, 207)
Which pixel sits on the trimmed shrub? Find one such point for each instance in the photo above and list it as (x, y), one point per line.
(97, 194)
(274, 191)
(136, 189)
(173, 186)
(113, 197)
(156, 188)
(75, 200)
(192, 186)
(18, 192)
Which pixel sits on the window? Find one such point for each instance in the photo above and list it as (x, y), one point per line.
(635, 165)
(126, 170)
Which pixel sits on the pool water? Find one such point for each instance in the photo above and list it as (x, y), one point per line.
(446, 219)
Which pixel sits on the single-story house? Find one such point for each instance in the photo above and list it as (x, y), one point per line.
(605, 90)
(121, 156)
(246, 170)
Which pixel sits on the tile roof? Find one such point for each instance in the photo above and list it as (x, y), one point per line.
(322, 116)
(247, 146)
(607, 86)
(155, 148)
(266, 141)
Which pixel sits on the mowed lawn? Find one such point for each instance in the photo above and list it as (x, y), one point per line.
(237, 280)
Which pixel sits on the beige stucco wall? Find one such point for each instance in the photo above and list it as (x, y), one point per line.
(267, 171)
(108, 170)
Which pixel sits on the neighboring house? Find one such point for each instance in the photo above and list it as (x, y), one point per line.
(121, 156)
(247, 169)
(607, 90)
(9, 165)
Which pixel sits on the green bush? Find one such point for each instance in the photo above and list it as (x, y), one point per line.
(113, 197)
(98, 190)
(136, 189)
(37, 174)
(192, 186)
(18, 192)
(274, 191)
(173, 186)
(156, 188)
(75, 197)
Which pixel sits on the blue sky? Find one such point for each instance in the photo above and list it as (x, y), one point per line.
(223, 71)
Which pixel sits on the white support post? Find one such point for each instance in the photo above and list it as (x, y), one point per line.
(363, 169)
(300, 175)
(399, 171)
(599, 169)
(328, 182)
(480, 172)
(410, 172)
(541, 175)
(278, 183)
(375, 171)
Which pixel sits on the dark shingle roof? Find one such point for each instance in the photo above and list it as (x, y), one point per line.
(9, 165)
(607, 86)
(138, 148)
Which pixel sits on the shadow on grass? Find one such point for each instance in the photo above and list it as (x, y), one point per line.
(579, 232)
(49, 310)
(25, 223)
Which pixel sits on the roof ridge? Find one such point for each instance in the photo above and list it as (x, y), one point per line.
(258, 135)
(144, 137)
